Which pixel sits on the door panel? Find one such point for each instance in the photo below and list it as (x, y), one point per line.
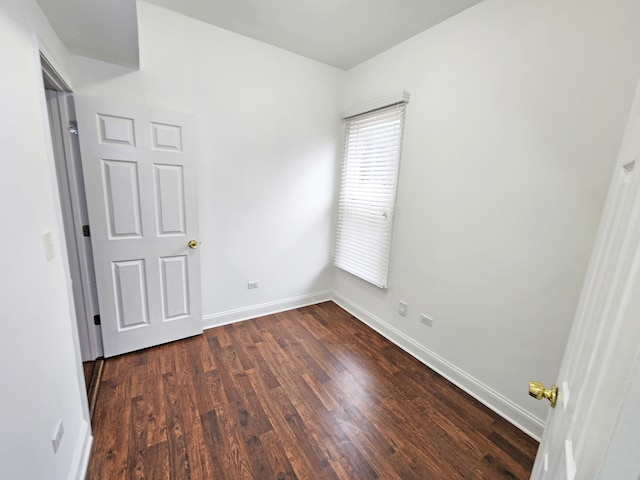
(139, 171)
(131, 294)
(116, 130)
(120, 184)
(169, 184)
(175, 287)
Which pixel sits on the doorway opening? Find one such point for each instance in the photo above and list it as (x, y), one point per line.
(64, 135)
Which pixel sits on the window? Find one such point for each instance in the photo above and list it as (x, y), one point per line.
(367, 197)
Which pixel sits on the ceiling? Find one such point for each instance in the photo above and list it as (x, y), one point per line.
(342, 33)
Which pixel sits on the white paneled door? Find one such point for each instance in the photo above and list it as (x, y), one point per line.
(605, 338)
(139, 173)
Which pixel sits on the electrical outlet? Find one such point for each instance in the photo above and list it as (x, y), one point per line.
(428, 321)
(402, 308)
(254, 284)
(57, 437)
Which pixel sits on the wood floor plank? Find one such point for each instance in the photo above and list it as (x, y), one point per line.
(277, 457)
(138, 439)
(311, 393)
(179, 464)
(156, 461)
(154, 397)
(286, 437)
(113, 409)
(214, 439)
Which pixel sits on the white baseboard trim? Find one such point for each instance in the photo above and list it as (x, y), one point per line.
(245, 313)
(80, 460)
(531, 425)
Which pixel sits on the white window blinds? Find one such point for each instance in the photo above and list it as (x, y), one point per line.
(373, 142)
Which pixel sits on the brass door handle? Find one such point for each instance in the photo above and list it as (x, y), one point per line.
(193, 244)
(537, 391)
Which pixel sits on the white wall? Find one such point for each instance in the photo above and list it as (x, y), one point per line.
(516, 116)
(40, 371)
(268, 126)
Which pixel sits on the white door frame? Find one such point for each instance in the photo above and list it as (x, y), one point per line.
(74, 210)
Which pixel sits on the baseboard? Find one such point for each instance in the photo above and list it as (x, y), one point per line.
(80, 460)
(531, 425)
(253, 311)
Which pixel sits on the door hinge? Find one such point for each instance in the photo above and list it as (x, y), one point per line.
(73, 127)
(96, 319)
(86, 231)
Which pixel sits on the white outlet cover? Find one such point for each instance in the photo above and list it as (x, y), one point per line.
(428, 321)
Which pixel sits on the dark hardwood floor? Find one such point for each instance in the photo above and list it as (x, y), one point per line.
(307, 394)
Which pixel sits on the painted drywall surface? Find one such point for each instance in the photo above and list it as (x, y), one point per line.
(268, 127)
(40, 372)
(516, 116)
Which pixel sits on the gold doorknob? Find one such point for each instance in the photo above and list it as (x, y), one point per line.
(537, 391)
(193, 244)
